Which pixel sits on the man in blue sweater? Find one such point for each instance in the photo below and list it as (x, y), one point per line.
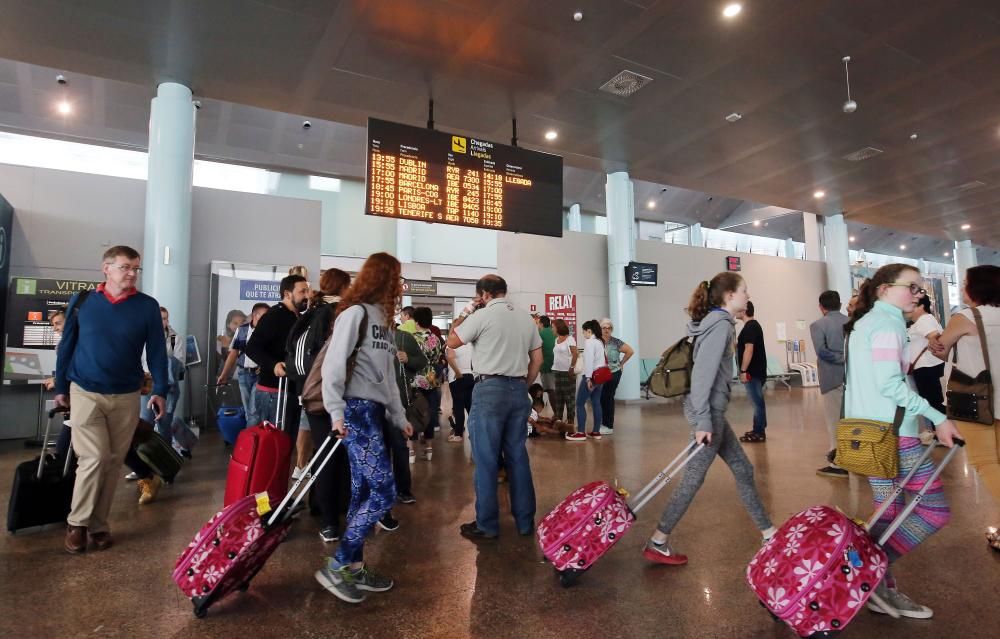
(98, 375)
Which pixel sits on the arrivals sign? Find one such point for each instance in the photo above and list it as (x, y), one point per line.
(562, 306)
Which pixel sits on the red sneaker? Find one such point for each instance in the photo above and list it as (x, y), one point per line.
(663, 554)
(575, 437)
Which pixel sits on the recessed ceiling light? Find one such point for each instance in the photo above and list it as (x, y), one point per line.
(651, 204)
(850, 239)
(756, 222)
(946, 253)
(551, 135)
(902, 247)
(819, 195)
(913, 136)
(64, 107)
(966, 227)
(577, 16)
(732, 10)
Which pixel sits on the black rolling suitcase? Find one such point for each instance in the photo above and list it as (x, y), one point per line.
(43, 489)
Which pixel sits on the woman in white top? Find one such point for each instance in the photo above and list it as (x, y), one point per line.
(982, 292)
(925, 369)
(460, 383)
(563, 362)
(593, 358)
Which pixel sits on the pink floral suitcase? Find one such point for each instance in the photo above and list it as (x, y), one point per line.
(822, 567)
(235, 544)
(585, 525)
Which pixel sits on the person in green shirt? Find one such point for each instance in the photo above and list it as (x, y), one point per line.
(548, 344)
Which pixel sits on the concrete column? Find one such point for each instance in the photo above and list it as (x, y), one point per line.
(623, 300)
(575, 218)
(404, 249)
(167, 241)
(838, 256)
(814, 242)
(694, 235)
(965, 258)
(790, 248)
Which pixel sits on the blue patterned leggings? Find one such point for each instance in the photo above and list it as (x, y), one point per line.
(373, 490)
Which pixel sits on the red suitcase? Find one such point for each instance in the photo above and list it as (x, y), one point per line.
(261, 459)
(594, 517)
(822, 567)
(235, 544)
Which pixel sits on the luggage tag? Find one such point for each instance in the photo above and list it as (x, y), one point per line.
(621, 490)
(263, 504)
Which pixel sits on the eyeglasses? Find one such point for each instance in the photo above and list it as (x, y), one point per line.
(125, 268)
(914, 288)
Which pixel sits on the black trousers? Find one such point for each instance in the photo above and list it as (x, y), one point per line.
(396, 443)
(332, 489)
(928, 382)
(461, 400)
(608, 400)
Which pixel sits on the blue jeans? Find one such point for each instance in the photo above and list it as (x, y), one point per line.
(500, 410)
(373, 490)
(247, 380)
(755, 390)
(582, 396)
(266, 403)
(165, 422)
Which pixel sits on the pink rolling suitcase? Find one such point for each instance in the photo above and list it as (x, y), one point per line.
(821, 567)
(594, 517)
(236, 543)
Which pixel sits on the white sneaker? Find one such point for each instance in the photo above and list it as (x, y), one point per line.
(607, 431)
(428, 453)
(131, 477)
(297, 473)
(413, 456)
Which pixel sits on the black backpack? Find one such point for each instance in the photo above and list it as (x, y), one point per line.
(306, 339)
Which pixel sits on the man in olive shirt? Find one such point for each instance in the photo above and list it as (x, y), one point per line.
(508, 355)
(548, 345)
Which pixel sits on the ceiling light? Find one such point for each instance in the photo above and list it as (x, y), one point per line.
(64, 107)
(902, 247)
(734, 117)
(946, 253)
(850, 106)
(850, 239)
(651, 204)
(732, 10)
(756, 222)
(819, 195)
(551, 135)
(966, 227)
(577, 16)
(913, 136)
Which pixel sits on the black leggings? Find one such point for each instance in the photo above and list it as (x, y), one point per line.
(461, 400)
(333, 485)
(928, 381)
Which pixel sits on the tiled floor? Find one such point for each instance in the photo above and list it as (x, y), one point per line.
(450, 587)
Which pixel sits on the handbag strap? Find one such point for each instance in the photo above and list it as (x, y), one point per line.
(406, 383)
(913, 364)
(897, 419)
(982, 337)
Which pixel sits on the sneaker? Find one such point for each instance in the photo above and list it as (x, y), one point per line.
(388, 523)
(329, 534)
(341, 583)
(131, 477)
(413, 456)
(607, 431)
(832, 471)
(406, 498)
(428, 454)
(365, 579)
(575, 437)
(663, 554)
(595, 435)
(905, 606)
(148, 488)
(297, 473)
(455, 438)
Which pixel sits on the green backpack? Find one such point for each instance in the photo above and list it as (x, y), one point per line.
(672, 375)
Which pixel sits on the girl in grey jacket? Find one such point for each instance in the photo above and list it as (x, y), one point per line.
(359, 392)
(712, 308)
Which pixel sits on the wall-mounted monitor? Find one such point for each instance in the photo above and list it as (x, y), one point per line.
(640, 274)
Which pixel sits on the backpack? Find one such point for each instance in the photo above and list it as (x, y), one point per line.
(312, 390)
(306, 339)
(672, 375)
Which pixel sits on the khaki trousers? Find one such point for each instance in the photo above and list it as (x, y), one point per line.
(831, 406)
(103, 426)
(982, 448)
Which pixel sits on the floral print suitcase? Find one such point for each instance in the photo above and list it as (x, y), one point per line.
(817, 571)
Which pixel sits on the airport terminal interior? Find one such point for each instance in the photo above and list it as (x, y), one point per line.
(612, 161)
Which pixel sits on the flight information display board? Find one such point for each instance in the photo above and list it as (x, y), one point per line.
(426, 175)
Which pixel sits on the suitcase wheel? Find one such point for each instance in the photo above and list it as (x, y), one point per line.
(243, 587)
(568, 577)
(200, 608)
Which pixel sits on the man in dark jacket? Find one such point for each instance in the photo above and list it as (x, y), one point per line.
(411, 360)
(267, 347)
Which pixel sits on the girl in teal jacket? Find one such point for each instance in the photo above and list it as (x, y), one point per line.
(878, 357)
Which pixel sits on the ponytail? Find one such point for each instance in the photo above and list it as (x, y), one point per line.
(868, 293)
(710, 294)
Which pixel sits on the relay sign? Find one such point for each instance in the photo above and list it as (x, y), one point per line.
(426, 175)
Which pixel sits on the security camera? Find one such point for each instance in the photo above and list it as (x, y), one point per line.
(197, 104)
(307, 125)
(61, 79)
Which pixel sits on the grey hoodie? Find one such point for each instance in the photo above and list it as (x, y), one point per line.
(374, 376)
(713, 368)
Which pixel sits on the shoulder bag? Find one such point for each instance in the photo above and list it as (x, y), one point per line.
(970, 399)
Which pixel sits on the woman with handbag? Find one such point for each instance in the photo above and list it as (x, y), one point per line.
(876, 389)
(592, 384)
(974, 332)
(925, 369)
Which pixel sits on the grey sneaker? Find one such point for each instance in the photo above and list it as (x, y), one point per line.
(905, 606)
(341, 583)
(365, 579)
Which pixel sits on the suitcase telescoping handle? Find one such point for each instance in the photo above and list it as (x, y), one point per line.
(665, 476)
(45, 441)
(898, 521)
(306, 479)
(279, 410)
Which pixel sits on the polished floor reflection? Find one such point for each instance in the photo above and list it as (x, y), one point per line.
(450, 587)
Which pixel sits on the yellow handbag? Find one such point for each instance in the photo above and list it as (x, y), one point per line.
(867, 446)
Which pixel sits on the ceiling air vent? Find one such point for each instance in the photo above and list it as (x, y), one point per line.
(863, 154)
(625, 83)
(970, 186)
